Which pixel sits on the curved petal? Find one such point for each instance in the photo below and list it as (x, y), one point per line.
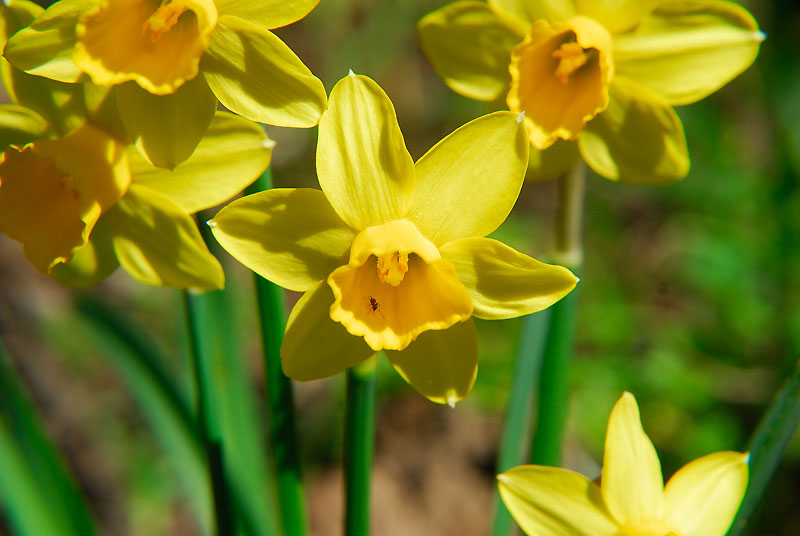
(686, 50)
(616, 15)
(159, 244)
(39, 208)
(469, 181)
(231, 155)
(632, 484)
(469, 45)
(363, 165)
(268, 14)
(504, 283)
(441, 364)
(638, 139)
(90, 263)
(253, 73)
(314, 346)
(168, 127)
(549, 501)
(45, 47)
(289, 236)
(19, 125)
(157, 46)
(549, 10)
(702, 498)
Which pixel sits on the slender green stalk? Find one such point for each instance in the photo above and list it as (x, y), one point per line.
(553, 394)
(199, 315)
(280, 399)
(767, 445)
(518, 415)
(359, 441)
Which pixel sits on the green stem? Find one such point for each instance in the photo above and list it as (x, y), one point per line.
(553, 394)
(199, 315)
(518, 414)
(767, 445)
(359, 441)
(280, 398)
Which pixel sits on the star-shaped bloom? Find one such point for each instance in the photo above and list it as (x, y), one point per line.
(602, 74)
(391, 254)
(173, 60)
(701, 499)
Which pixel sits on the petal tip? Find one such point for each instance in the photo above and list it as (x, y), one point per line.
(350, 72)
(521, 116)
(211, 223)
(759, 36)
(502, 477)
(452, 399)
(268, 143)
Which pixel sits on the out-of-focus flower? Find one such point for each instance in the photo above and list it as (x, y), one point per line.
(391, 254)
(173, 60)
(701, 499)
(603, 74)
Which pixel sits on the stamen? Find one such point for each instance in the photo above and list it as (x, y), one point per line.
(571, 57)
(392, 268)
(163, 19)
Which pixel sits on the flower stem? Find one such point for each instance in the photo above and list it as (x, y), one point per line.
(280, 398)
(518, 414)
(359, 441)
(553, 393)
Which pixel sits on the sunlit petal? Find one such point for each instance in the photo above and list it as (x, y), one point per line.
(616, 15)
(549, 10)
(267, 13)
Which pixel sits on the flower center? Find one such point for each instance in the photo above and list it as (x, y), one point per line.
(392, 267)
(571, 57)
(163, 19)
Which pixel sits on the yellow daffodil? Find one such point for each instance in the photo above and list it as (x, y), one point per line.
(701, 499)
(391, 254)
(85, 203)
(601, 74)
(174, 60)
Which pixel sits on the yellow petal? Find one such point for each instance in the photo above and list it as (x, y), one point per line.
(469, 181)
(363, 165)
(638, 139)
(685, 50)
(314, 346)
(559, 78)
(632, 484)
(253, 73)
(45, 47)
(158, 244)
(289, 236)
(19, 125)
(396, 286)
(702, 498)
(90, 263)
(556, 160)
(158, 47)
(168, 127)
(231, 155)
(504, 283)
(469, 45)
(616, 15)
(39, 207)
(268, 14)
(441, 365)
(549, 10)
(98, 165)
(549, 501)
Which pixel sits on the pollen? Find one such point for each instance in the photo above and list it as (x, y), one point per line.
(571, 57)
(392, 268)
(163, 19)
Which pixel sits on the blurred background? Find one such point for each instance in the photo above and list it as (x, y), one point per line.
(690, 299)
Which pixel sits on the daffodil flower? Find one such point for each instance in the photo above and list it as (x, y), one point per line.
(173, 60)
(601, 74)
(701, 499)
(85, 203)
(391, 254)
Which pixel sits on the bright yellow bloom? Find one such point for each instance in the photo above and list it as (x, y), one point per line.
(603, 74)
(701, 499)
(184, 56)
(391, 254)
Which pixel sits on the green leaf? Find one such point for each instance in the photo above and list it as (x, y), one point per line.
(38, 494)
